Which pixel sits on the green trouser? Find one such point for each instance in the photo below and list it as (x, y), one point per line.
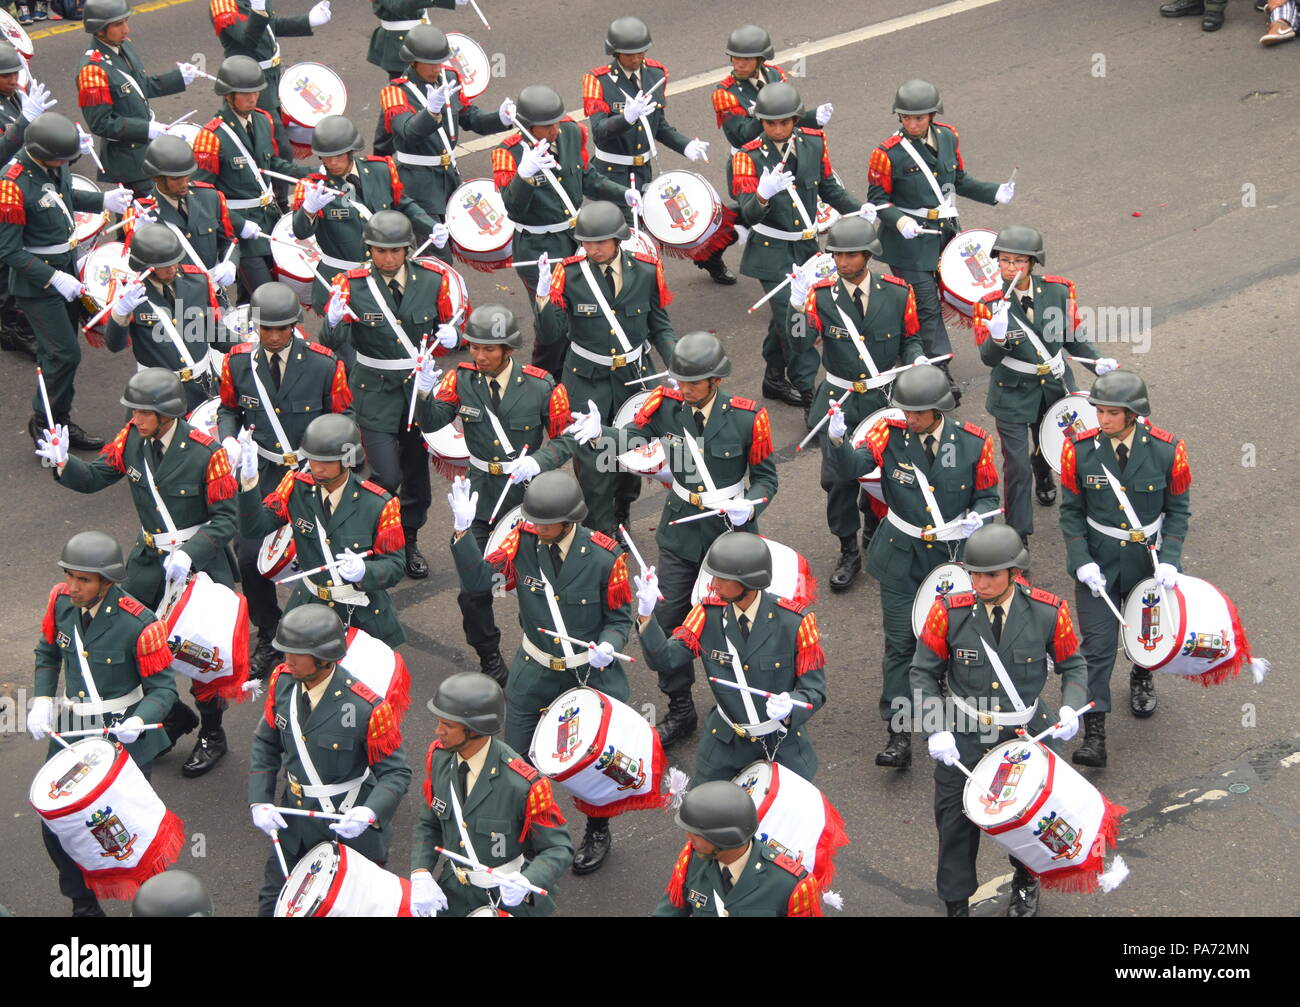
(797, 359)
(58, 353)
(900, 644)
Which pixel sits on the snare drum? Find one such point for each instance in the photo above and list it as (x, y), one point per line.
(277, 553)
(482, 233)
(311, 91)
(102, 271)
(871, 481)
(471, 64)
(826, 216)
(943, 580)
(204, 417)
(794, 818)
(792, 577)
(682, 211)
(16, 36)
(207, 631)
(380, 667)
(1070, 415)
(89, 223)
(1191, 630)
(447, 449)
(967, 272)
(106, 817)
(1041, 811)
(496, 539)
(603, 752)
(639, 241)
(295, 266)
(649, 459)
(336, 880)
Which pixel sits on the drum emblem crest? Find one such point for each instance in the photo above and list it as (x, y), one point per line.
(310, 92)
(486, 219)
(1001, 791)
(1069, 422)
(1151, 635)
(111, 834)
(462, 67)
(977, 262)
(945, 586)
(296, 907)
(1208, 646)
(627, 772)
(566, 735)
(750, 783)
(824, 269)
(206, 660)
(680, 211)
(1059, 836)
(67, 783)
(824, 213)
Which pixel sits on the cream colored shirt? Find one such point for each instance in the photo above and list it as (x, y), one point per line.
(864, 286)
(167, 437)
(282, 354)
(315, 693)
(616, 264)
(1115, 442)
(737, 867)
(476, 763)
(566, 542)
(399, 276)
(750, 613)
(706, 409)
(1005, 603)
(502, 380)
(937, 434)
(335, 496)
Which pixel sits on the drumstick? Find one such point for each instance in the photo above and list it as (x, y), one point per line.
(93, 156)
(506, 489)
(329, 286)
(1012, 179)
(319, 569)
(474, 865)
(200, 73)
(479, 12)
(822, 422)
(631, 547)
(631, 177)
(1039, 737)
(949, 525)
(109, 307)
(419, 363)
(275, 838)
(770, 294)
(756, 692)
(928, 230)
(100, 732)
(1104, 596)
(45, 401)
(711, 513)
(581, 643)
(182, 118)
(646, 377)
(295, 181)
(304, 813)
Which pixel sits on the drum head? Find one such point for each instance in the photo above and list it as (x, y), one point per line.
(309, 882)
(187, 131)
(470, 61)
(826, 216)
(488, 911)
(311, 91)
(295, 263)
(477, 220)
(681, 208)
(645, 460)
(504, 526)
(204, 417)
(458, 291)
(88, 222)
(277, 551)
(943, 580)
(871, 481)
(104, 269)
(16, 36)
(755, 780)
(966, 270)
(238, 328)
(567, 731)
(71, 775)
(1072, 414)
(448, 443)
(1005, 783)
(1157, 619)
(641, 242)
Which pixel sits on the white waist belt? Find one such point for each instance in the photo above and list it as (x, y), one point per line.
(267, 64)
(622, 360)
(553, 661)
(707, 501)
(398, 25)
(564, 225)
(635, 160)
(200, 369)
(430, 160)
(930, 213)
(284, 458)
(493, 468)
(107, 705)
(169, 539)
(916, 531)
(49, 249)
(1126, 535)
(1025, 367)
(248, 204)
(860, 385)
(1012, 719)
(330, 789)
(484, 879)
(780, 235)
(387, 363)
(329, 260)
(344, 594)
(751, 730)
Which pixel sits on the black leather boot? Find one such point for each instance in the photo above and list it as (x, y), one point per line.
(960, 908)
(680, 722)
(265, 656)
(1182, 8)
(776, 387)
(596, 842)
(717, 269)
(1142, 693)
(180, 721)
(897, 754)
(87, 907)
(417, 568)
(1044, 486)
(849, 565)
(81, 440)
(1024, 893)
(1093, 750)
(494, 667)
(208, 751)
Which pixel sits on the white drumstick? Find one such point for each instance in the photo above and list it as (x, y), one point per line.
(823, 421)
(319, 569)
(646, 377)
(479, 11)
(770, 294)
(581, 643)
(305, 813)
(1105, 596)
(275, 838)
(109, 307)
(1039, 737)
(177, 122)
(93, 156)
(716, 512)
(200, 73)
(474, 865)
(506, 489)
(45, 401)
(100, 732)
(631, 547)
(756, 692)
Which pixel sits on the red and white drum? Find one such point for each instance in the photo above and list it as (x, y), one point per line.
(336, 880)
(482, 233)
(650, 459)
(943, 580)
(187, 131)
(1071, 414)
(311, 91)
(106, 817)
(826, 216)
(88, 222)
(682, 211)
(295, 265)
(24, 76)
(604, 753)
(497, 537)
(204, 417)
(447, 450)
(299, 138)
(792, 577)
(489, 911)
(820, 267)
(380, 667)
(967, 272)
(277, 554)
(457, 290)
(639, 241)
(871, 481)
(207, 631)
(103, 271)
(16, 36)
(470, 61)
(1042, 812)
(794, 817)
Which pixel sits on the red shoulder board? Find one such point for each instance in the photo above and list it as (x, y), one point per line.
(305, 477)
(728, 80)
(604, 541)
(533, 371)
(894, 279)
(96, 56)
(512, 139)
(900, 424)
(1057, 279)
(646, 257)
(364, 691)
(570, 260)
(788, 863)
(469, 365)
(128, 604)
(358, 273)
(14, 171)
(738, 403)
(374, 157)
(1086, 435)
(203, 185)
(600, 71)
(374, 488)
(203, 437)
(430, 265)
(987, 298)
(213, 124)
(971, 428)
(523, 769)
(711, 599)
(792, 605)
(893, 141)
(654, 63)
(325, 350)
(1038, 594)
(828, 281)
(1161, 435)
(946, 125)
(811, 131)
(961, 599)
(189, 267)
(753, 144)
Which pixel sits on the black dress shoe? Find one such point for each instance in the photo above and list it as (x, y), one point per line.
(898, 753)
(1024, 894)
(1212, 21)
(680, 722)
(494, 667)
(180, 721)
(1093, 750)
(265, 656)
(208, 751)
(87, 907)
(717, 270)
(849, 566)
(956, 909)
(776, 387)
(1045, 488)
(1182, 8)
(81, 440)
(1142, 693)
(595, 846)
(417, 568)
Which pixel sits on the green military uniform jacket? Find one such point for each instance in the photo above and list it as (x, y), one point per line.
(14, 126)
(209, 225)
(1157, 481)
(246, 32)
(510, 812)
(367, 517)
(533, 408)
(769, 255)
(893, 177)
(963, 478)
(954, 645)
(386, 42)
(772, 885)
(733, 97)
(125, 648)
(113, 91)
(593, 595)
(351, 732)
(194, 482)
(605, 90)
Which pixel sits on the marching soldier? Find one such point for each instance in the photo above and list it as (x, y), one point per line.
(938, 479)
(866, 324)
(542, 178)
(113, 658)
(1126, 505)
(37, 202)
(420, 117)
(744, 635)
(171, 894)
(396, 19)
(113, 91)
(505, 408)
(777, 179)
(919, 171)
(184, 496)
(1030, 369)
(721, 871)
(231, 149)
(271, 389)
(395, 306)
(484, 801)
(607, 305)
(577, 585)
(992, 646)
(339, 743)
(336, 519)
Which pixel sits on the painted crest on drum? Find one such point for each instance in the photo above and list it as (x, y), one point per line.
(68, 782)
(111, 834)
(681, 214)
(1070, 423)
(566, 735)
(311, 94)
(462, 66)
(481, 212)
(299, 904)
(1002, 790)
(1151, 634)
(206, 660)
(1207, 646)
(627, 772)
(1059, 836)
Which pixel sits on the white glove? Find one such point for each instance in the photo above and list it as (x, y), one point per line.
(739, 511)
(117, 200)
(156, 129)
(772, 181)
(525, 469)
(601, 655)
(266, 818)
(1069, 721)
(258, 5)
(799, 287)
(635, 107)
(127, 731)
(908, 228)
(534, 159)
(53, 446)
(66, 284)
(543, 276)
(40, 718)
(223, 274)
(177, 565)
(86, 140)
(585, 426)
(868, 212)
(837, 426)
(1104, 365)
(351, 567)
(320, 14)
(779, 707)
(249, 231)
(462, 3)
(315, 197)
(35, 101)
(427, 896)
(447, 337)
(506, 111)
(512, 892)
(999, 320)
(971, 522)
(633, 199)
(188, 72)
(128, 299)
(824, 113)
(697, 150)
(1167, 575)
(355, 821)
(434, 99)
(334, 308)
(1089, 576)
(145, 215)
(427, 376)
(231, 446)
(943, 748)
(1006, 192)
(464, 505)
(248, 457)
(1057, 367)
(440, 234)
(647, 592)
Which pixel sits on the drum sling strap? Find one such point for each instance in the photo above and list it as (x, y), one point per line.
(290, 455)
(317, 789)
(945, 207)
(755, 728)
(267, 197)
(606, 310)
(479, 879)
(345, 593)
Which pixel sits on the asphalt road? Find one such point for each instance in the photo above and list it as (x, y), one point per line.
(1160, 164)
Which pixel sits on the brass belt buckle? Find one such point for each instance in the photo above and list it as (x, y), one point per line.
(809, 235)
(618, 361)
(290, 458)
(275, 60)
(572, 222)
(986, 719)
(494, 468)
(265, 199)
(557, 664)
(695, 500)
(148, 540)
(859, 386)
(72, 242)
(1044, 369)
(638, 160)
(740, 731)
(295, 787)
(185, 374)
(323, 593)
(462, 875)
(446, 160)
(927, 534)
(1137, 535)
(932, 214)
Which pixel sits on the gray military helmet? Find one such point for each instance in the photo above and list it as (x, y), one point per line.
(156, 389)
(854, 233)
(923, 387)
(334, 135)
(274, 305)
(553, 497)
(239, 75)
(740, 556)
(995, 547)
(699, 355)
(52, 137)
(493, 325)
(599, 221)
(154, 245)
(99, 14)
(720, 812)
(627, 34)
(539, 105)
(313, 630)
(334, 438)
(1020, 240)
(425, 44)
(750, 41)
(94, 552)
(917, 97)
(169, 156)
(11, 60)
(1121, 388)
(778, 100)
(472, 699)
(174, 893)
(388, 229)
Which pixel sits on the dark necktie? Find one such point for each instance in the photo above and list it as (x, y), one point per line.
(699, 421)
(857, 300)
(156, 445)
(929, 448)
(355, 182)
(726, 881)
(397, 292)
(997, 623)
(304, 707)
(184, 211)
(85, 619)
(609, 281)
(1026, 304)
(169, 295)
(325, 504)
(743, 622)
(494, 391)
(1121, 453)
(275, 370)
(462, 775)
(556, 558)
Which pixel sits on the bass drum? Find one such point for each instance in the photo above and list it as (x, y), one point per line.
(277, 554)
(88, 222)
(1070, 416)
(944, 580)
(311, 91)
(469, 61)
(295, 265)
(482, 233)
(103, 271)
(682, 211)
(871, 481)
(649, 460)
(505, 525)
(967, 272)
(447, 450)
(336, 880)
(204, 417)
(16, 36)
